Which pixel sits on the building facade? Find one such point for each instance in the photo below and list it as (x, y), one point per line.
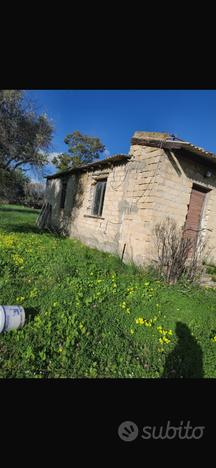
(114, 204)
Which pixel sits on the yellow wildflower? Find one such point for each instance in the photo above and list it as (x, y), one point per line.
(139, 321)
(20, 299)
(17, 260)
(33, 293)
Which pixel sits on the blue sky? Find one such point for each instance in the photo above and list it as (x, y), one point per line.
(114, 115)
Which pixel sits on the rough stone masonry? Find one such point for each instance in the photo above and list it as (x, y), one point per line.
(152, 182)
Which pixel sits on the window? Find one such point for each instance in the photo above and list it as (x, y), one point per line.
(99, 197)
(63, 194)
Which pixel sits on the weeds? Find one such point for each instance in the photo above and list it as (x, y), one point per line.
(89, 315)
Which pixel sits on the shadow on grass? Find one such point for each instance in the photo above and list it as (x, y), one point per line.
(186, 360)
(22, 228)
(30, 313)
(17, 210)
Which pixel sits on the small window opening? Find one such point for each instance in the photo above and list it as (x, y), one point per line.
(99, 197)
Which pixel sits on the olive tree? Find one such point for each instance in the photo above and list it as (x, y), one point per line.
(25, 136)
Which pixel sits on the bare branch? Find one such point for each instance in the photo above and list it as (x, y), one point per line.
(177, 253)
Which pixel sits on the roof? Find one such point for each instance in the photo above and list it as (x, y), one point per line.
(165, 140)
(103, 162)
(157, 139)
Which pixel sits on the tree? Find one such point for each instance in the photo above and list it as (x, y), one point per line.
(25, 137)
(12, 185)
(82, 149)
(34, 194)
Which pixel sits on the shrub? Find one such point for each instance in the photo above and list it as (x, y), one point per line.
(177, 254)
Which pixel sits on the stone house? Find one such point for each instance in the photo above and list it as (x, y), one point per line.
(114, 204)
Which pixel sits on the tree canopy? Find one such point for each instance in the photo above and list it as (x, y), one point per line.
(12, 185)
(82, 149)
(25, 136)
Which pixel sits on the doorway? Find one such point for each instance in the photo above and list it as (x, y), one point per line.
(195, 212)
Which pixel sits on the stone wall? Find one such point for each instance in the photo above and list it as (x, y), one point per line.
(140, 192)
(179, 171)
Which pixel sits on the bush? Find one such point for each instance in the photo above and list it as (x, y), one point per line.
(177, 254)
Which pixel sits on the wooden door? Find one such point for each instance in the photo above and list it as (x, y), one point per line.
(194, 214)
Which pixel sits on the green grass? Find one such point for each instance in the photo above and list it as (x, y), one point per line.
(89, 315)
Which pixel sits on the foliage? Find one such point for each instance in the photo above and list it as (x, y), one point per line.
(25, 136)
(89, 315)
(12, 185)
(82, 149)
(34, 194)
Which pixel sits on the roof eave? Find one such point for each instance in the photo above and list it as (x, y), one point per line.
(175, 144)
(91, 166)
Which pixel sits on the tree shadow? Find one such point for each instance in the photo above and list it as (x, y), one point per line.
(17, 210)
(185, 361)
(22, 228)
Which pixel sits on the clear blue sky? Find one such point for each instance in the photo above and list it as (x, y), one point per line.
(114, 115)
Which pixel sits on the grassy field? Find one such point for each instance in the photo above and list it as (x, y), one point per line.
(88, 315)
